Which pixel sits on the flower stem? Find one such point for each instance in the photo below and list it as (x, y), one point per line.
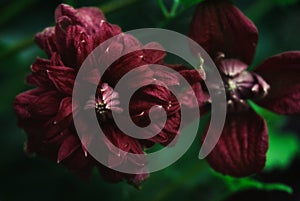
(174, 8)
(163, 8)
(165, 11)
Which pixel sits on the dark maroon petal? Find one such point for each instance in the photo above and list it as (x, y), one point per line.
(232, 67)
(80, 164)
(65, 109)
(23, 103)
(169, 132)
(166, 77)
(142, 74)
(88, 17)
(202, 97)
(74, 45)
(147, 97)
(153, 53)
(219, 26)
(282, 73)
(46, 104)
(46, 40)
(106, 31)
(29, 105)
(69, 145)
(241, 149)
(62, 77)
(39, 76)
(157, 98)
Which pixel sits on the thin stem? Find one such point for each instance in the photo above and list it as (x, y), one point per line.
(163, 8)
(174, 8)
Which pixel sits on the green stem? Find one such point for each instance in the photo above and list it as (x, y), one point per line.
(174, 8)
(172, 13)
(240, 184)
(163, 8)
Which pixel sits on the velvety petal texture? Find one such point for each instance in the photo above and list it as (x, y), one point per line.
(282, 73)
(230, 38)
(241, 149)
(46, 112)
(219, 26)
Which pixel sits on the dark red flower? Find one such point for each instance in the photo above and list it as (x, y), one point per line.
(46, 113)
(230, 38)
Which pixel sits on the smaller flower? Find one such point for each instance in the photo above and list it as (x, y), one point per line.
(231, 38)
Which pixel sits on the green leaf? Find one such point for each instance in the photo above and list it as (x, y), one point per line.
(283, 146)
(282, 149)
(285, 2)
(271, 118)
(240, 184)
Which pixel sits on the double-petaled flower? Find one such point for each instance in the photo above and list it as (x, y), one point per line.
(231, 38)
(46, 112)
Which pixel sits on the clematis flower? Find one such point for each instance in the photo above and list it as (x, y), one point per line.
(230, 38)
(46, 113)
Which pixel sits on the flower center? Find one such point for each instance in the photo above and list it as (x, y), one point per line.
(101, 108)
(106, 101)
(240, 84)
(231, 85)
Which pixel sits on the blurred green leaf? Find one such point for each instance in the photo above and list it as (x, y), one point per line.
(13, 9)
(282, 149)
(285, 2)
(283, 146)
(271, 118)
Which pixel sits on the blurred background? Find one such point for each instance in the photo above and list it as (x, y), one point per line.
(35, 178)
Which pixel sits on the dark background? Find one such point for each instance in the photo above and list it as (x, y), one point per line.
(24, 178)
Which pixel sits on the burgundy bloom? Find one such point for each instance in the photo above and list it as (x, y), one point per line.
(46, 114)
(230, 38)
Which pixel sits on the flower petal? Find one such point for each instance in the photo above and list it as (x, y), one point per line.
(232, 67)
(46, 40)
(88, 17)
(69, 145)
(282, 73)
(153, 53)
(219, 26)
(62, 77)
(241, 149)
